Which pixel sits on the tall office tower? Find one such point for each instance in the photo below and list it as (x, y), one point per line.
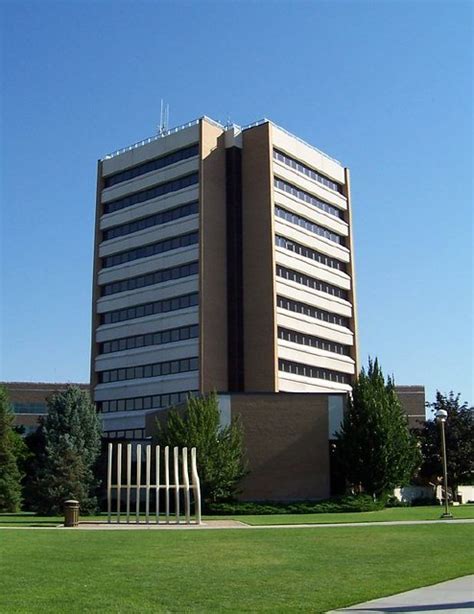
(223, 261)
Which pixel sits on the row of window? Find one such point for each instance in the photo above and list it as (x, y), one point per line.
(137, 341)
(312, 341)
(306, 170)
(157, 401)
(308, 225)
(30, 408)
(151, 165)
(152, 249)
(312, 312)
(150, 279)
(163, 217)
(149, 309)
(156, 369)
(157, 190)
(298, 368)
(308, 198)
(307, 252)
(125, 434)
(311, 282)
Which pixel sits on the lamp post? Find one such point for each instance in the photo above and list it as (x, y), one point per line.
(441, 416)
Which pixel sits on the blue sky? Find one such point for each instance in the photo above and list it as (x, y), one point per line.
(385, 87)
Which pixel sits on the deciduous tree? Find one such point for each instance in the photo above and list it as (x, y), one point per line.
(459, 431)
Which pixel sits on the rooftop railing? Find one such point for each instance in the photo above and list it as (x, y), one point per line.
(160, 135)
(297, 138)
(194, 122)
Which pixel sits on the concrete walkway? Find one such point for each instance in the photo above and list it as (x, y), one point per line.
(231, 524)
(454, 596)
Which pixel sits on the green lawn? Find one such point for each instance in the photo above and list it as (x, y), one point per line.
(276, 570)
(402, 513)
(395, 513)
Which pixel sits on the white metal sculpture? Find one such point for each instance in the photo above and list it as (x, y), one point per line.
(161, 483)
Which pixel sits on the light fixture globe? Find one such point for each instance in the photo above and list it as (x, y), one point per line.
(441, 415)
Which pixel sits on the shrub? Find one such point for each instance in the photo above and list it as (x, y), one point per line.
(351, 503)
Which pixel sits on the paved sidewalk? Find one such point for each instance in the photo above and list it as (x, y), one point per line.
(454, 596)
(230, 524)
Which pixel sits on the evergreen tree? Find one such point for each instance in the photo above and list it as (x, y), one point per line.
(375, 449)
(71, 433)
(459, 432)
(10, 475)
(219, 448)
(31, 466)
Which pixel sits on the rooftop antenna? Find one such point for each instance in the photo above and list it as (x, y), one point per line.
(164, 119)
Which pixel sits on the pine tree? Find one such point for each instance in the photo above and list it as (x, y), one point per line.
(71, 433)
(375, 449)
(219, 448)
(459, 430)
(10, 475)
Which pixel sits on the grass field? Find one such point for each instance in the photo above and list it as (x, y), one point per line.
(277, 570)
(400, 513)
(395, 513)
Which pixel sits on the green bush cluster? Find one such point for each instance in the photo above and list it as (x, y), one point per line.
(355, 503)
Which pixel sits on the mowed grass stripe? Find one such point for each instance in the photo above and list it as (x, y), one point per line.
(389, 514)
(211, 571)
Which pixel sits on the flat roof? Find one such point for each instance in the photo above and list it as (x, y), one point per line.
(194, 122)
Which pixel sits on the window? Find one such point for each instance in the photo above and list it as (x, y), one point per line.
(313, 312)
(145, 371)
(150, 250)
(311, 282)
(307, 170)
(151, 165)
(150, 193)
(149, 402)
(307, 198)
(134, 434)
(312, 341)
(307, 252)
(139, 311)
(314, 372)
(307, 225)
(30, 408)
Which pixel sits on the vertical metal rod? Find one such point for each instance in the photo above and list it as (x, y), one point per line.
(109, 481)
(445, 470)
(196, 486)
(139, 479)
(129, 477)
(147, 492)
(167, 483)
(187, 502)
(176, 482)
(119, 478)
(157, 483)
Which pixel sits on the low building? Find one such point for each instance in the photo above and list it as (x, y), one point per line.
(29, 400)
(288, 439)
(287, 436)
